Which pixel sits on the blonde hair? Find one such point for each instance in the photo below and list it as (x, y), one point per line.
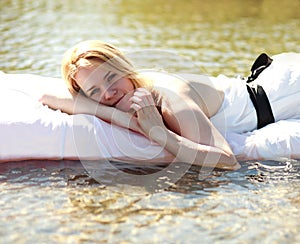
(92, 52)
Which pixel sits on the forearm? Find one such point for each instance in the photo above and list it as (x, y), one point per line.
(78, 104)
(109, 114)
(188, 145)
(190, 152)
(85, 105)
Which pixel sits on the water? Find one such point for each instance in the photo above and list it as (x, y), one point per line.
(58, 202)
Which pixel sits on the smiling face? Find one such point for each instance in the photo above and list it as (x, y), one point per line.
(105, 85)
(101, 72)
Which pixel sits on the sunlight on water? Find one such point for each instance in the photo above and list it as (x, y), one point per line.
(59, 202)
(62, 201)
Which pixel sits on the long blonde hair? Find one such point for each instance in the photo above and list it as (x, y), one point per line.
(91, 52)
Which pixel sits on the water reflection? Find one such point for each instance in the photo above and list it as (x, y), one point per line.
(230, 200)
(197, 200)
(219, 36)
(74, 174)
(175, 12)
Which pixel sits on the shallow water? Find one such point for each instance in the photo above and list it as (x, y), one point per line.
(50, 202)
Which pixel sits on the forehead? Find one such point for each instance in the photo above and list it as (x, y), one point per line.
(86, 75)
(89, 75)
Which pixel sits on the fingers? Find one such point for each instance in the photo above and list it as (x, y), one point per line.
(135, 99)
(141, 98)
(136, 107)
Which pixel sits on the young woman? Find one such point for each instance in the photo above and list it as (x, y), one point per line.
(188, 115)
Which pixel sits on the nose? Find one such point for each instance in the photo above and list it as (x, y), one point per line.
(109, 94)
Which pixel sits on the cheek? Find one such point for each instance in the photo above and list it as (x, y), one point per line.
(99, 99)
(126, 84)
(125, 104)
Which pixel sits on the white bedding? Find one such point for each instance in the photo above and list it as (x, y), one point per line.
(30, 130)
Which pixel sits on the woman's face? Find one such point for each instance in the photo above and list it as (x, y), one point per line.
(105, 86)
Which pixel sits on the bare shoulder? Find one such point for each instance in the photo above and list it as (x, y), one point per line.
(182, 91)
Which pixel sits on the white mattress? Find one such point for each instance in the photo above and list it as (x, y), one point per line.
(29, 130)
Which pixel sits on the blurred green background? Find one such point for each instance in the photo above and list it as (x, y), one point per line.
(217, 36)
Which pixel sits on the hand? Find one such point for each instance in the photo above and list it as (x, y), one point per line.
(126, 120)
(65, 104)
(147, 115)
(79, 104)
(71, 104)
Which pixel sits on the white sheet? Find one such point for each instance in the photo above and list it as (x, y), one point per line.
(277, 141)
(29, 130)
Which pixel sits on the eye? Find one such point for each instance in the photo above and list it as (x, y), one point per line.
(94, 91)
(111, 77)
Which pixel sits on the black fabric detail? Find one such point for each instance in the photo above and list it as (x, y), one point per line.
(262, 62)
(257, 94)
(262, 105)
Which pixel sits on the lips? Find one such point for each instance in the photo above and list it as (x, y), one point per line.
(123, 103)
(119, 100)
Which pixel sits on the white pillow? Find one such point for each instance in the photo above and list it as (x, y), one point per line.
(30, 130)
(277, 141)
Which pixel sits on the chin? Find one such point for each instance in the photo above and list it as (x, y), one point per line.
(124, 104)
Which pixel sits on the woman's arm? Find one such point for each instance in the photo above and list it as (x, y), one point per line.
(79, 104)
(196, 141)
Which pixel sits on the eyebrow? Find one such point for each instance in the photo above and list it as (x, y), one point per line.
(106, 75)
(90, 89)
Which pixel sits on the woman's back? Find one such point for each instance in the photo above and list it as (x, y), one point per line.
(203, 90)
(225, 101)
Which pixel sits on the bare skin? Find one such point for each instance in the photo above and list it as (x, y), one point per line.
(187, 131)
(182, 127)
